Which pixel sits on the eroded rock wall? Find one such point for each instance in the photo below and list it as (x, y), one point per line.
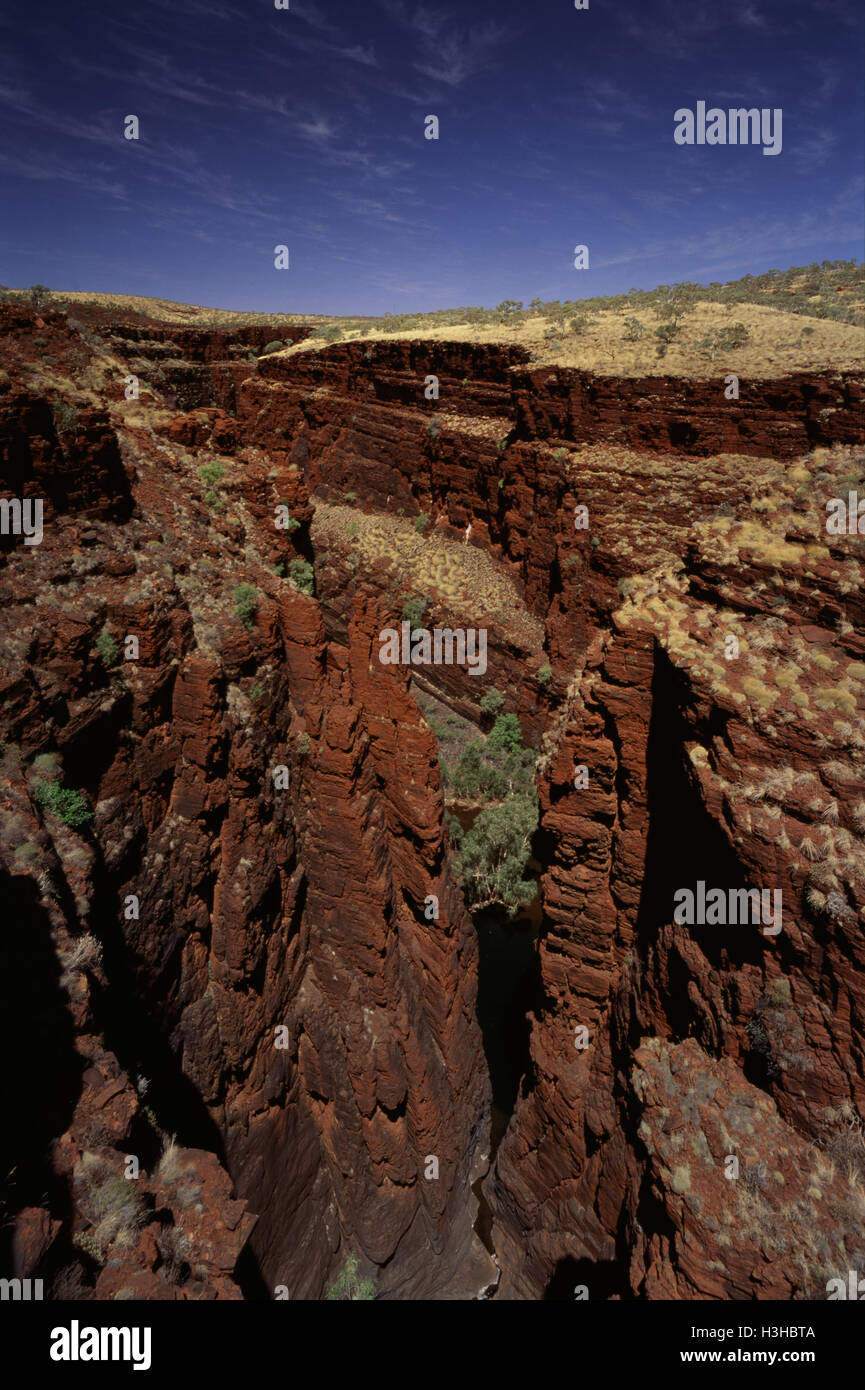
(301, 906)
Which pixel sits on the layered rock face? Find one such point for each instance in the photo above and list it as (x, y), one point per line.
(738, 765)
(266, 831)
(239, 949)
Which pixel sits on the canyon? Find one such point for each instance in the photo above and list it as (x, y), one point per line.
(280, 1035)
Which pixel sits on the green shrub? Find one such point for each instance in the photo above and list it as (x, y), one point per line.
(275, 346)
(211, 473)
(350, 497)
(106, 648)
(38, 295)
(328, 333)
(492, 855)
(246, 604)
(434, 426)
(349, 1286)
(304, 744)
(65, 415)
(455, 831)
(421, 522)
(666, 332)
(506, 735)
(492, 702)
(545, 675)
(302, 575)
(492, 773)
(635, 330)
(66, 803)
(734, 335)
(414, 609)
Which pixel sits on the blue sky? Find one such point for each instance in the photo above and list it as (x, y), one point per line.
(306, 128)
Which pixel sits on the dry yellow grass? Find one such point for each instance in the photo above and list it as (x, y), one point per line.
(459, 579)
(777, 343)
(776, 346)
(188, 315)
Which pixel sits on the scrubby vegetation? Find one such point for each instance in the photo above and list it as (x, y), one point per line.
(414, 609)
(327, 334)
(492, 702)
(246, 604)
(349, 1285)
(211, 474)
(69, 805)
(494, 768)
(106, 648)
(302, 575)
(110, 1202)
(490, 857)
(65, 416)
(816, 290)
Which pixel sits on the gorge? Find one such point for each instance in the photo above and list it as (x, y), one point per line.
(281, 1036)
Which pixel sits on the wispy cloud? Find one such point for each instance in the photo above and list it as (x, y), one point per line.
(209, 10)
(683, 32)
(95, 178)
(319, 129)
(313, 15)
(750, 17)
(449, 52)
(610, 101)
(744, 240)
(813, 150)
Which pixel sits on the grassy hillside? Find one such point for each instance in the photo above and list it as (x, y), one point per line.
(801, 319)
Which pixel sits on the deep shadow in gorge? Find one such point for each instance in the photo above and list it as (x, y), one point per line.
(508, 987)
(684, 845)
(42, 1079)
(601, 1280)
(134, 1031)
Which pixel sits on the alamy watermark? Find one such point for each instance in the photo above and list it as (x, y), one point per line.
(846, 515)
(737, 126)
(729, 907)
(447, 646)
(22, 517)
(853, 1289)
(21, 1290)
(77, 1343)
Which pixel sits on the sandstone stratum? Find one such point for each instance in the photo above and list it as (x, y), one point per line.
(220, 841)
